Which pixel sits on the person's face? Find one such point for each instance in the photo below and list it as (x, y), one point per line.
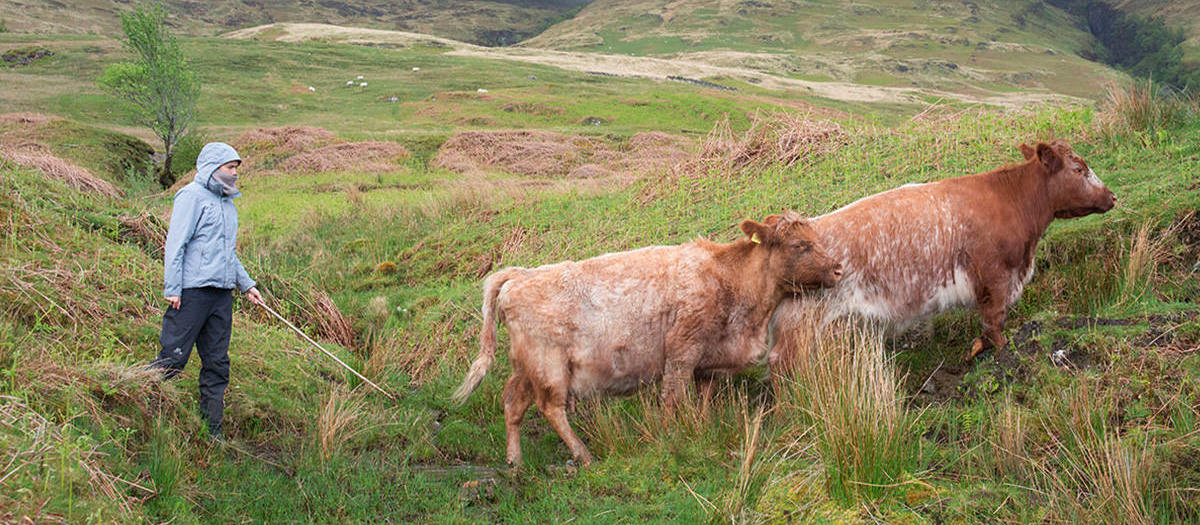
(230, 168)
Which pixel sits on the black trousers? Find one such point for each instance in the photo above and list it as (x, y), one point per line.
(204, 318)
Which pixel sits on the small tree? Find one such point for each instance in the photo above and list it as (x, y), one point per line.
(158, 82)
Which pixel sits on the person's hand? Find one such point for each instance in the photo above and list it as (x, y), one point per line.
(253, 296)
(174, 301)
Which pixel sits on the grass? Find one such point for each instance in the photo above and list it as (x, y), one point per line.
(1109, 436)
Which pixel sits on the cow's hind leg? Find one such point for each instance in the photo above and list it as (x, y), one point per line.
(552, 401)
(518, 395)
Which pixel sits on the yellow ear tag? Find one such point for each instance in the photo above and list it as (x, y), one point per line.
(754, 238)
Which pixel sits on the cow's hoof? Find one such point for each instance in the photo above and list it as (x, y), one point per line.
(976, 348)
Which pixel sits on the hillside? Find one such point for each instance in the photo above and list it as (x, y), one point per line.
(955, 46)
(1184, 15)
(373, 209)
(485, 22)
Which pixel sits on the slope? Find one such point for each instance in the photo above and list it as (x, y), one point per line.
(485, 22)
(965, 47)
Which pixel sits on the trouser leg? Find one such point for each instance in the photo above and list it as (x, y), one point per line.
(180, 327)
(213, 346)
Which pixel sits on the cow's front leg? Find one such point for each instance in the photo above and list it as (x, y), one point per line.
(992, 313)
(677, 375)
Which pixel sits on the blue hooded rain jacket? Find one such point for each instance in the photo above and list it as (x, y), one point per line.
(202, 239)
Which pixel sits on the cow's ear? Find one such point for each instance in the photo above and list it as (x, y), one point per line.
(1027, 151)
(756, 231)
(773, 220)
(1049, 158)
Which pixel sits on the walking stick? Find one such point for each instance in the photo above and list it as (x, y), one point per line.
(327, 352)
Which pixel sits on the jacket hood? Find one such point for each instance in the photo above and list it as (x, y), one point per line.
(213, 156)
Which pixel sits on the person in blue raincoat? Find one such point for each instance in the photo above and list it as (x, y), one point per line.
(200, 270)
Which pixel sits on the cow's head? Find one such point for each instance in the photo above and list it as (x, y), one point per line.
(793, 252)
(1074, 189)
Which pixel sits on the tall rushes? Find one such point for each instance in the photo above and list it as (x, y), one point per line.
(1094, 475)
(846, 387)
(338, 421)
(737, 503)
(1146, 251)
(1143, 109)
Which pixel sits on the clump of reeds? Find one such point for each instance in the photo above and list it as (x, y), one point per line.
(778, 138)
(1092, 474)
(338, 421)
(1146, 251)
(844, 387)
(1143, 108)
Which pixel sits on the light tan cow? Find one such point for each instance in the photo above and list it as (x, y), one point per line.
(614, 322)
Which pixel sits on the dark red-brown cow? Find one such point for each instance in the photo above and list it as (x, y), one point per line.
(614, 322)
(967, 241)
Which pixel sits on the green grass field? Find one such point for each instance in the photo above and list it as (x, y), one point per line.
(1111, 435)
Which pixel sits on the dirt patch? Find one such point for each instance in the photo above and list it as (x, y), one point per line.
(533, 108)
(1011, 364)
(369, 156)
(24, 56)
(37, 156)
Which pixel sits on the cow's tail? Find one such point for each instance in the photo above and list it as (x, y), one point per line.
(487, 334)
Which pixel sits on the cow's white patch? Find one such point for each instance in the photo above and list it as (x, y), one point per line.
(1093, 179)
(957, 291)
(853, 298)
(1019, 282)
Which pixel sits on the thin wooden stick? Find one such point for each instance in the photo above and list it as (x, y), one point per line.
(327, 352)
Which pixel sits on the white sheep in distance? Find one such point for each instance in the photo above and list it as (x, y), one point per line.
(416, 69)
(364, 84)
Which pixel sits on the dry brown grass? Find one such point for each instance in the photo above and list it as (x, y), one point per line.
(25, 118)
(337, 422)
(330, 322)
(265, 147)
(1093, 474)
(1142, 108)
(40, 448)
(37, 156)
(369, 156)
(778, 138)
(547, 154)
(524, 152)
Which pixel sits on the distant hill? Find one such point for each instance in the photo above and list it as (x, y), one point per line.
(1182, 14)
(482, 22)
(952, 45)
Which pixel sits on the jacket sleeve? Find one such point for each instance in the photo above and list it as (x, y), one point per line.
(244, 282)
(184, 216)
